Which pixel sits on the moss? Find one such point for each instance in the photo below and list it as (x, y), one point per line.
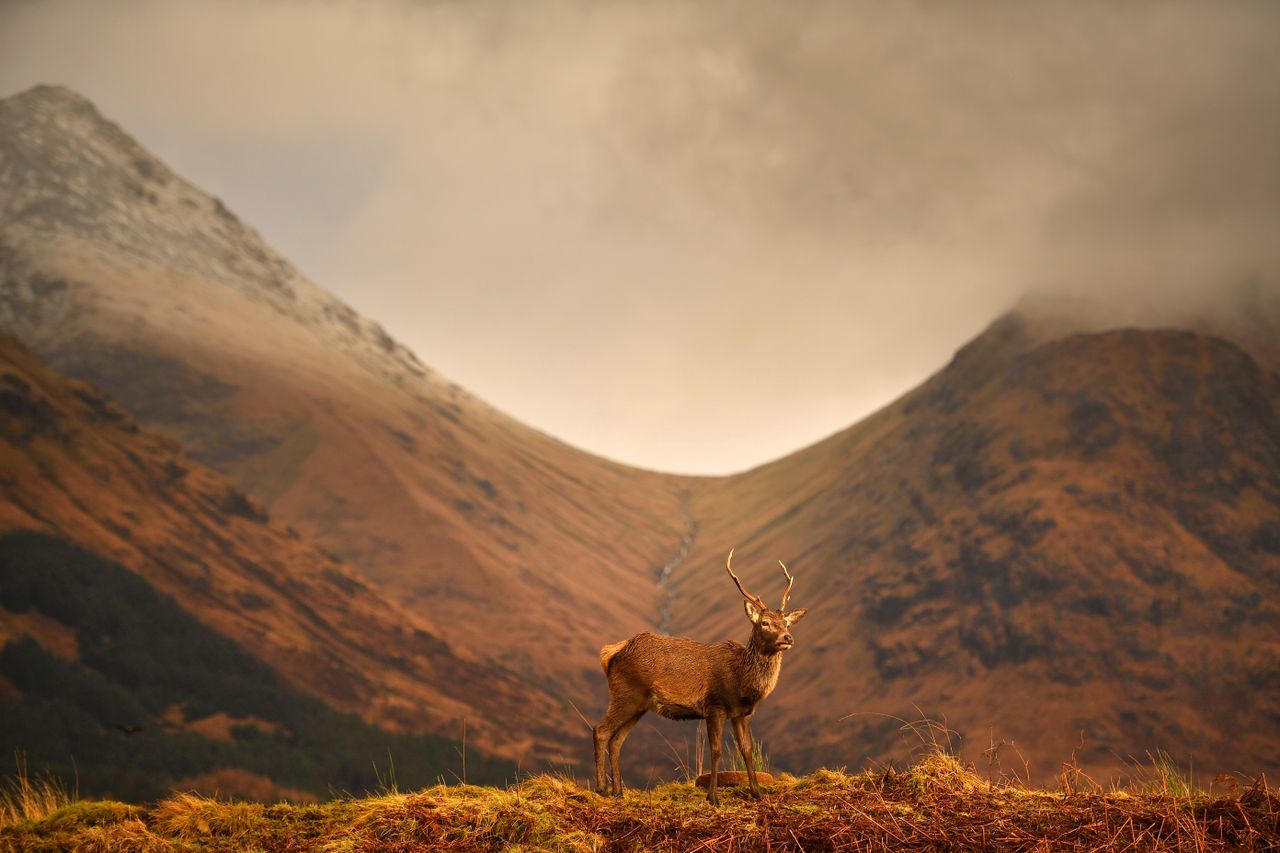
(800, 808)
(682, 793)
(87, 813)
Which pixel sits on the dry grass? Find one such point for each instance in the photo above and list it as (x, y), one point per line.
(938, 804)
(23, 798)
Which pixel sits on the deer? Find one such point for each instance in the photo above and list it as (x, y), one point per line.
(683, 679)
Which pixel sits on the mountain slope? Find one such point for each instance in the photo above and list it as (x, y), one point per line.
(1074, 545)
(133, 697)
(77, 468)
(117, 272)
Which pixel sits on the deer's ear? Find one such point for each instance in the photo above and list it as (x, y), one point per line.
(795, 616)
(753, 613)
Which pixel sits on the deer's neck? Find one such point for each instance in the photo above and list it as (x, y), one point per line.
(760, 670)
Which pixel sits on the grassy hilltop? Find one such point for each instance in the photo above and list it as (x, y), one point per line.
(937, 804)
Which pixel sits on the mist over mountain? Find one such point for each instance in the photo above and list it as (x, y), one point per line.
(633, 182)
(1068, 528)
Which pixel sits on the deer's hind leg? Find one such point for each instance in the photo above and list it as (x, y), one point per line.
(608, 736)
(615, 751)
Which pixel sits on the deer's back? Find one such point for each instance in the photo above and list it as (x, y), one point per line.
(675, 676)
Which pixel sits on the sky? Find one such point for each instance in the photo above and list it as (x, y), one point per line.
(696, 236)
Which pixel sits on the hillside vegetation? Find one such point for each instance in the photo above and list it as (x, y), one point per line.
(83, 486)
(1074, 543)
(139, 698)
(937, 804)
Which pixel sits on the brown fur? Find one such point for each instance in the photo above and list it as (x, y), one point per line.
(684, 680)
(607, 653)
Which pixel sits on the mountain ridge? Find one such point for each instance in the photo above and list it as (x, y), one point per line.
(173, 224)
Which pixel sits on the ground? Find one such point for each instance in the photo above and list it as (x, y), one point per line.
(937, 804)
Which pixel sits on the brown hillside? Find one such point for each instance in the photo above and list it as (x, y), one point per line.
(77, 467)
(1075, 542)
(119, 273)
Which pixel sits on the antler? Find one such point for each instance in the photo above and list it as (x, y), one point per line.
(786, 592)
(754, 599)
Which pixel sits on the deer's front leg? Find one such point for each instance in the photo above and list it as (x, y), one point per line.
(715, 732)
(742, 734)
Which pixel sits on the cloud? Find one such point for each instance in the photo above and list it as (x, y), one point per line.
(695, 235)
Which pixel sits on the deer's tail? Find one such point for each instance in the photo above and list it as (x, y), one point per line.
(607, 653)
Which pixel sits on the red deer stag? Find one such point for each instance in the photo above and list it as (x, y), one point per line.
(685, 680)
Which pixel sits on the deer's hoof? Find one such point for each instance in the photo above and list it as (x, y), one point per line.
(714, 800)
(755, 794)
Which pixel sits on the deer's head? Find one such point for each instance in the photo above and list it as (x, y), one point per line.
(770, 629)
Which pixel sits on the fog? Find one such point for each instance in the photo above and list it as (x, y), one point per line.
(695, 236)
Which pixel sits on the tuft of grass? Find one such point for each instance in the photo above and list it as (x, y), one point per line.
(130, 835)
(189, 816)
(689, 767)
(761, 758)
(23, 798)
(824, 778)
(943, 771)
(1164, 777)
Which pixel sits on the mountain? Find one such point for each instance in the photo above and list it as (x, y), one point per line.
(1072, 544)
(119, 273)
(81, 473)
(1067, 538)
